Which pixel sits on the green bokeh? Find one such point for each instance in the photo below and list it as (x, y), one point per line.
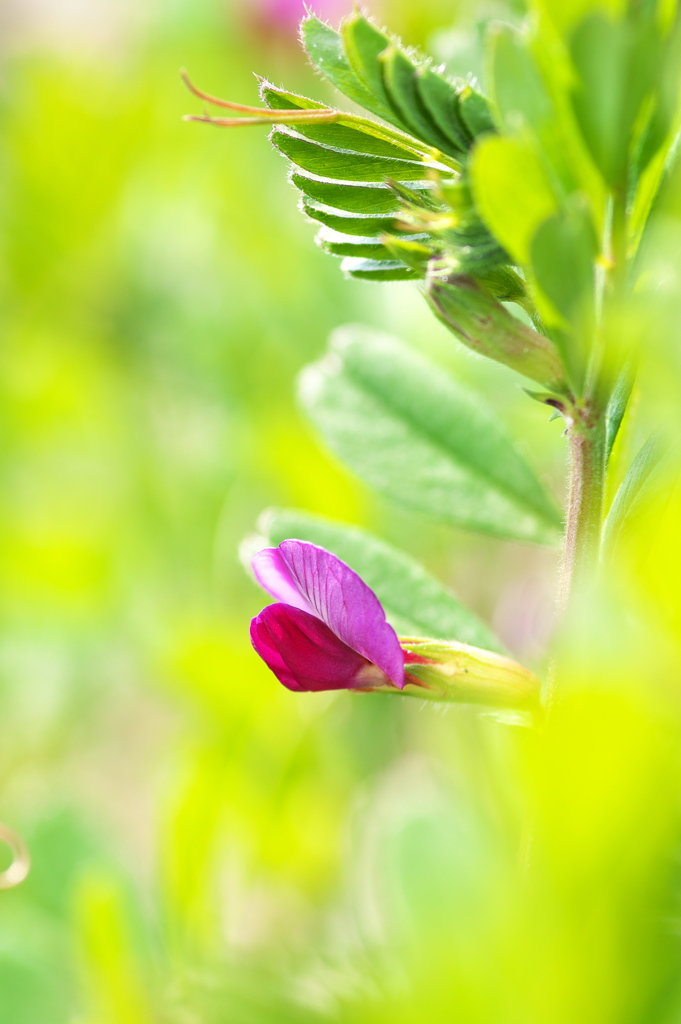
(206, 846)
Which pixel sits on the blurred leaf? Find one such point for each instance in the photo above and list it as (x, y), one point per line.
(356, 248)
(412, 253)
(517, 86)
(117, 989)
(563, 252)
(630, 489)
(422, 439)
(475, 112)
(379, 270)
(617, 406)
(31, 991)
(615, 65)
(512, 192)
(416, 604)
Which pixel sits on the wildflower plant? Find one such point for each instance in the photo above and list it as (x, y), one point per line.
(530, 213)
(522, 214)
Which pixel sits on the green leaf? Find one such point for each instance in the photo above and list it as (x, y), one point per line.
(475, 112)
(399, 74)
(617, 406)
(360, 199)
(376, 270)
(615, 62)
(363, 44)
(326, 50)
(349, 131)
(517, 86)
(631, 489)
(364, 226)
(564, 251)
(414, 253)
(440, 98)
(422, 439)
(343, 166)
(512, 191)
(416, 604)
(365, 250)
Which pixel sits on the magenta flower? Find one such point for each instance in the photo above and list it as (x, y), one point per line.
(329, 632)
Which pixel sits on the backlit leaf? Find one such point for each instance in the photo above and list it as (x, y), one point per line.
(343, 166)
(408, 429)
(512, 192)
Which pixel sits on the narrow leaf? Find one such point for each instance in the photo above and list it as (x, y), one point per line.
(377, 270)
(343, 166)
(363, 44)
(416, 603)
(347, 225)
(399, 74)
(440, 98)
(419, 437)
(617, 406)
(326, 50)
(475, 112)
(366, 250)
(631, 488)
(360, 199)
(518, 90)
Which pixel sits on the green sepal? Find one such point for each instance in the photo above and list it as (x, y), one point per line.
(459, 674)
(503, 284)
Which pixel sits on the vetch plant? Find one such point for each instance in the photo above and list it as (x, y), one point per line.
(540, 218)
(522, 213)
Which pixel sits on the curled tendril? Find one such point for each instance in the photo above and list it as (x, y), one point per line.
(16, 873)
(255, 115)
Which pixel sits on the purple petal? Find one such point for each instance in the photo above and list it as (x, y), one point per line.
(304, 654)
(273, 574)
(346, 604)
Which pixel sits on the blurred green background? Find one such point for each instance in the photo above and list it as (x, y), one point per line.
(202, 839)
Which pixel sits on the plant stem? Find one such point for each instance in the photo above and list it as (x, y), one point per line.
(586, 485)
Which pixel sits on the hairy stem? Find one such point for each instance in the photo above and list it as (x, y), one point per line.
(586, 485)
